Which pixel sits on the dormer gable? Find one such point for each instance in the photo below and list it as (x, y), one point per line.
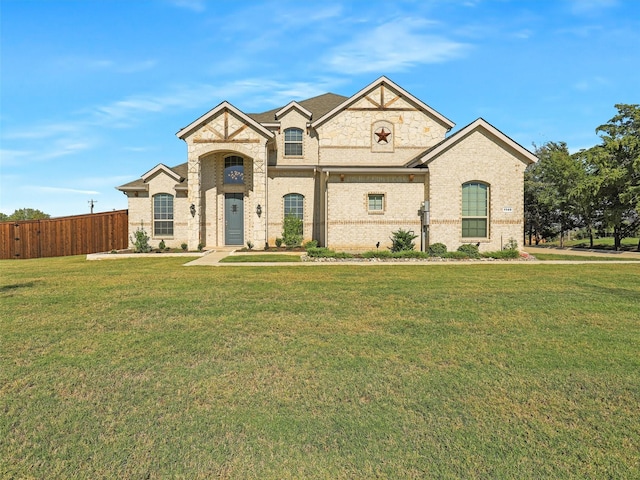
(377, 97)
(161, 168)
(293, 105)
(479, 125)
(224, 108)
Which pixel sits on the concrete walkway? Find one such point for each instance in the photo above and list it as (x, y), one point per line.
(212, 257)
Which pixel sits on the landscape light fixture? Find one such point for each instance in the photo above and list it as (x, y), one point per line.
(259, 210)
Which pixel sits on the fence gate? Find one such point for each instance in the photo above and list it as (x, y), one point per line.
(56, 237)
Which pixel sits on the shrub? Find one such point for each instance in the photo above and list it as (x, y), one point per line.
(184, 246)
(140, 241)
(310, 244)
(292, 231)
(512, 244)
(402, 240)
(249, 244)
(278, 242)
(162, 245)
(457, 255)
(471, 249)
(324, 252)
(502, 254)
(437, 250)
(200, 246)
(410, 254)
(377, 254)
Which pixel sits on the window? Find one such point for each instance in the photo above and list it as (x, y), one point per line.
(294, 205)
(233, 170)
(376, 202)
(475, 209)
(162, 214)
(293, 142)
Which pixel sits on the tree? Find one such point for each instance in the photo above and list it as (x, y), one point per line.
(584, 195)
(4, 217)
(537, 214)
(27, 214)
(557, 177)
(617, 171)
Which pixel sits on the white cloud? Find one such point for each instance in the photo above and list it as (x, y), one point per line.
(590, 7)
(590, 84)
(59, 190)
(62, 148)
(10, 157)
(85, 64)
(42, 131)
(394, 46)
(193, 5)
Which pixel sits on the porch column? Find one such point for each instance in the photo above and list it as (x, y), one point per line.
(195, 193)
(260, 198)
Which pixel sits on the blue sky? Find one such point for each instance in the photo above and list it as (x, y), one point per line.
(93, 92)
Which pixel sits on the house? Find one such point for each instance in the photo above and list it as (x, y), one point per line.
(353, 169)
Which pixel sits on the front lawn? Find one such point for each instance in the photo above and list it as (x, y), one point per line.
(257, 257)
(143, 368)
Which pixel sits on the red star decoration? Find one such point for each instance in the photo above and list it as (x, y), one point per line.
(383, 135)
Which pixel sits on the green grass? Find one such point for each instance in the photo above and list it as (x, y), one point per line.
(605, 243)
(257, 257)
(580, 258)
(143, 368)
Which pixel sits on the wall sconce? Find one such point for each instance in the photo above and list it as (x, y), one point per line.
(192, 208)
(259, 210)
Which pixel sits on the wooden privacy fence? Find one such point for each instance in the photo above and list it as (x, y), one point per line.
(57, 237)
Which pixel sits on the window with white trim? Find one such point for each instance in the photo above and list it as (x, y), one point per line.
(294, 205)
(475, 210)
(163, 214)
(293, 142)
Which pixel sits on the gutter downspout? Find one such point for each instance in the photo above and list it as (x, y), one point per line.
(326, 209)
(266, 194)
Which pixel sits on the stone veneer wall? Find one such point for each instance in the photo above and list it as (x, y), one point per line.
(347, 139)
(477, 158)
(250, 145)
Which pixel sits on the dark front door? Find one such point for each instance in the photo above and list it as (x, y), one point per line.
(234, 219)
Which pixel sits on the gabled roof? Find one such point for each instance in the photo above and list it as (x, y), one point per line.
(295, 105)
(402, 92)
(160, 168)
(478, 125)
(215, 111)
(179, 172)
(318, 106)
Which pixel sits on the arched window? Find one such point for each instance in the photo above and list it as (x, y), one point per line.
(163, 214)
(293, 142)
(294, 205)
(475, 210)
(233, 170)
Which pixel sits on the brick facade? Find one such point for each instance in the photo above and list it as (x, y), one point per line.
(367, 165)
